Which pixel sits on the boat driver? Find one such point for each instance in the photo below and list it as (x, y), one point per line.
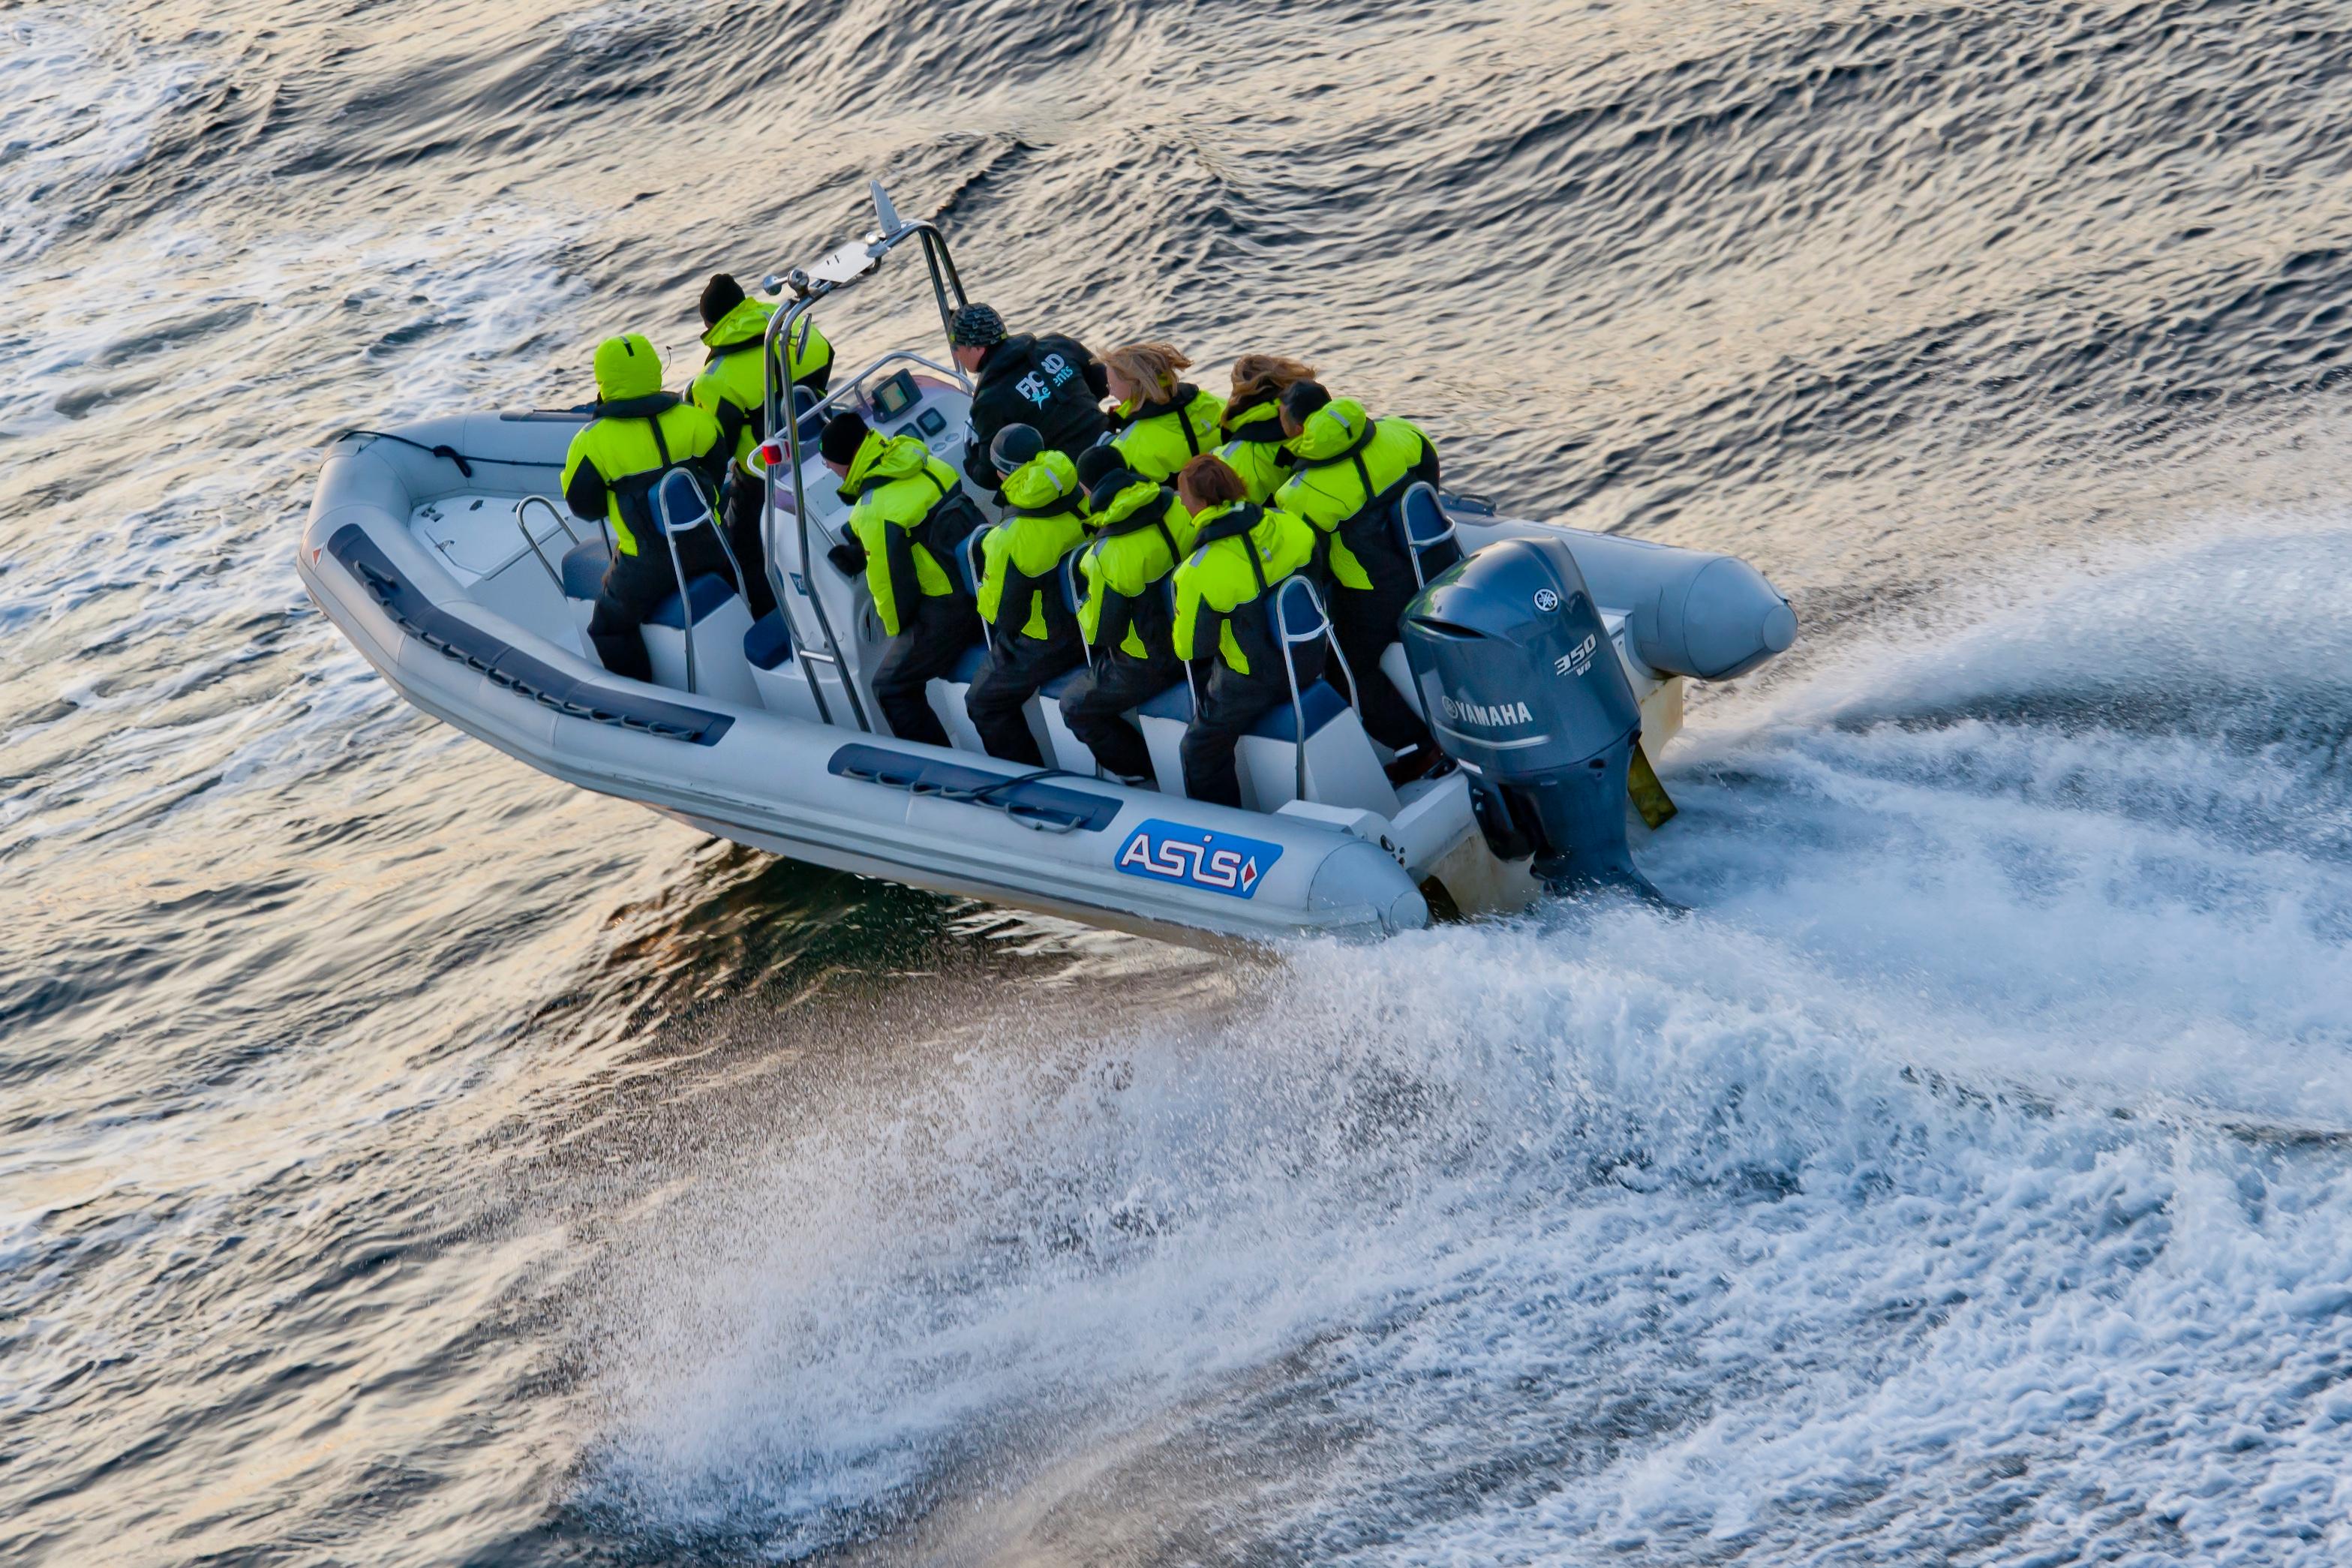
(1045, 380)
(733, 389)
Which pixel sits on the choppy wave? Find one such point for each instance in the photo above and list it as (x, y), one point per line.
(406, 1158)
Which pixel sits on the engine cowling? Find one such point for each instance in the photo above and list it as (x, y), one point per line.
(1523, 688)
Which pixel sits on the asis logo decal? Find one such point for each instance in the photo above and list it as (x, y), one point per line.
(1221, 862)
(1546, 601)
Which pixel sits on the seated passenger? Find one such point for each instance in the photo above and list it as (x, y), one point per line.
(1352, 472)
(1095, 465)
(1049, 383)
(1033, 637)
(1255, 445)
(639, 434)
(733, 390)
(1161, 423)
(1141, 531)
(895, 484)
(1240, 551)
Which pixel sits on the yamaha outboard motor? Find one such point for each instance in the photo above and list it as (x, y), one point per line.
(1523, 688)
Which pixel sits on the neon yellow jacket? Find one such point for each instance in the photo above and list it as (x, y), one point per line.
(1240, 551)
(639, 434)
(1255, 448)
(1347, 461)
(1158, 438)
(1142, 535)
(894, 482)
(733, 385)
(1043, 523)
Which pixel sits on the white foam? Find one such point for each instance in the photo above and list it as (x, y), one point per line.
(1917, 1190)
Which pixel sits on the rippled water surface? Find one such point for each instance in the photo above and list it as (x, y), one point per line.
(404, 1158)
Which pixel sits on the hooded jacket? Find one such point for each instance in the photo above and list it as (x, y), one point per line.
(1020, 556)
(733, 385)
(1240, 551)
(639, 433)
(1142, 533)
(1352, 471)
(894, 483)
(1049, 382)
(1157, 438)
(1254, 444)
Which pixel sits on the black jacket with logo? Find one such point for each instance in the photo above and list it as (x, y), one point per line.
(1044, 380)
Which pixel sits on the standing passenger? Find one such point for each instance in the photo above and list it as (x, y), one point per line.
(1162, 423)
(1352, 472)
(639, 434)
(733, 390)
(1240, 551)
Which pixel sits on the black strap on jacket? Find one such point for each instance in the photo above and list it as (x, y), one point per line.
(899, 544)
(1239, 523)
(633, 493)
(1118, 610)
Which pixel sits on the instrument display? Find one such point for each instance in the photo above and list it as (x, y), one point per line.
(895, 395)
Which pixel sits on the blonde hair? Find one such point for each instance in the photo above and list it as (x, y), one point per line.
(1256, 375)
(1151, 366)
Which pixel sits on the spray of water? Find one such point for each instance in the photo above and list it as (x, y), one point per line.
(1964, 1175)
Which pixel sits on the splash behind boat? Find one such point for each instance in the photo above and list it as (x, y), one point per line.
(1550, 662)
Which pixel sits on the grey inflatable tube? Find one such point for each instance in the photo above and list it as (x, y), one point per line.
(1691, 612)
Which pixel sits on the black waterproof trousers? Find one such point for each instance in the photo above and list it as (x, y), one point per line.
(1228, 708)
(634, 584)
(1017, 667)
(1366, 621)
(927, 647)
(745, 497)
(1095, 706)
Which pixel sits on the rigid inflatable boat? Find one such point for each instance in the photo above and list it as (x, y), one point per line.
(1550, 662)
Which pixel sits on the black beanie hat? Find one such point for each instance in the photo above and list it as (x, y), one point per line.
(720, 295)
(844, 434)
(1096, 461)
(1014, 445)
(1302, 398)
(975, 327)
(1107, 486)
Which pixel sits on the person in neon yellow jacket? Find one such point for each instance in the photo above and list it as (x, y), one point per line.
(1161, 423)
(733, 390)
(1254, 444)
(894, 484)
(1033, 637)
(1140, 530)
(1352, 472)
(1241, 551)
(639, 434)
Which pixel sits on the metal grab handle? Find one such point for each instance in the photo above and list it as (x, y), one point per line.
(524, 529)
(1289, 639)
(671, 527)
(1414, 547)
(777, 373)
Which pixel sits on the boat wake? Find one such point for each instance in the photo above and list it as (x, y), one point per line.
(1965, 1175)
